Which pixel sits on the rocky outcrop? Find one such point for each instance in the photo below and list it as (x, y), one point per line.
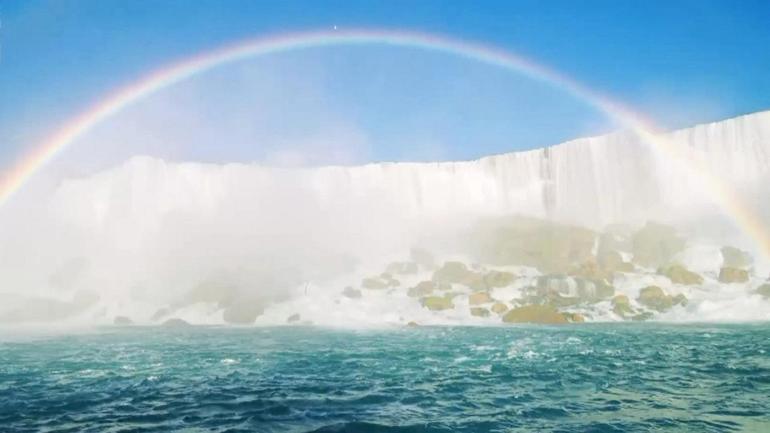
(242, 312)
(452, 273)
(733, 275)
(621, 306)
(437, 303)
(479, 298)
(548, 246)
(499, 308)
(383, 281)
(655, 298)
(479, 312)
(494, 279)
(680, 275)
(175, 323)
(764, 290)
(122, 321)
(654, 245)
(351, 293)
(293, 318)
(402, 268)
(734, 258)
(543, 314)
(574, 317)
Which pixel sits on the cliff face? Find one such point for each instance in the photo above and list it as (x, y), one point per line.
(590, 181)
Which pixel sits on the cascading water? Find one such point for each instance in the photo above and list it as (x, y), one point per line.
(140, 235)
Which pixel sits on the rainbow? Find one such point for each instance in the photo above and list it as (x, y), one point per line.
(20, 173)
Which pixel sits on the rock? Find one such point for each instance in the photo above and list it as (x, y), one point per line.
(655, 298)
(609, 259)
(494, 279)
(612, 261)
(544, 314)
(593, 290)
(293, 318)
(680, 275)
(389, 280)
(654, 245)
(475, 281)
(574, 317)
(733, 275)
(592, 271)
(175, 323)
(242, 312)
(351, 293)
(479, 298)
(641, 317)
(423, 288)
(422, 257)
(621, 306)
(479, 312)
(437, 303)
(402, 268)
(554, 283)
(452, 272)
(375, 283)
(548, 246)
(499, 308)
(615, 238)
(412, 324)
(734, 258)
(680, 299)
(122, 321)
(764, 290)
(458, 273)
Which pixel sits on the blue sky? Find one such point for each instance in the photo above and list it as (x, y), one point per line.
(681, 63)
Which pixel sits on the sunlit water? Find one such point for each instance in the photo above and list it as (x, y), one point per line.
(592, 378)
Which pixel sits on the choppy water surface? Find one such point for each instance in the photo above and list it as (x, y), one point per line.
(592, 378)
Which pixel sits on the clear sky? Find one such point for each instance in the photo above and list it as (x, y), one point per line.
(679, 62)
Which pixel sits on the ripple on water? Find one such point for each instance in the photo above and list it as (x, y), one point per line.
(525, 379)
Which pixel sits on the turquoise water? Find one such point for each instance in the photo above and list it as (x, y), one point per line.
(592, 378)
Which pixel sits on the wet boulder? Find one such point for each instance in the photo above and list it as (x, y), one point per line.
(242, 312)
(574, 317)
(733, 275)
(546, 245)
(351, 293)
(543, 314)
(452, 273)
(479, 298)
(654, 245)
(680, 275)
(734, 258)
(593, 291)
(425, 288)
(621, 306)
(655, 298)
(175, 323)
(122, 321)
(479, 312)
(592, 271)
(293, 318)
(494, 279)
(437, 303)
(499, 308)
(402, 268)
(383, 281)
